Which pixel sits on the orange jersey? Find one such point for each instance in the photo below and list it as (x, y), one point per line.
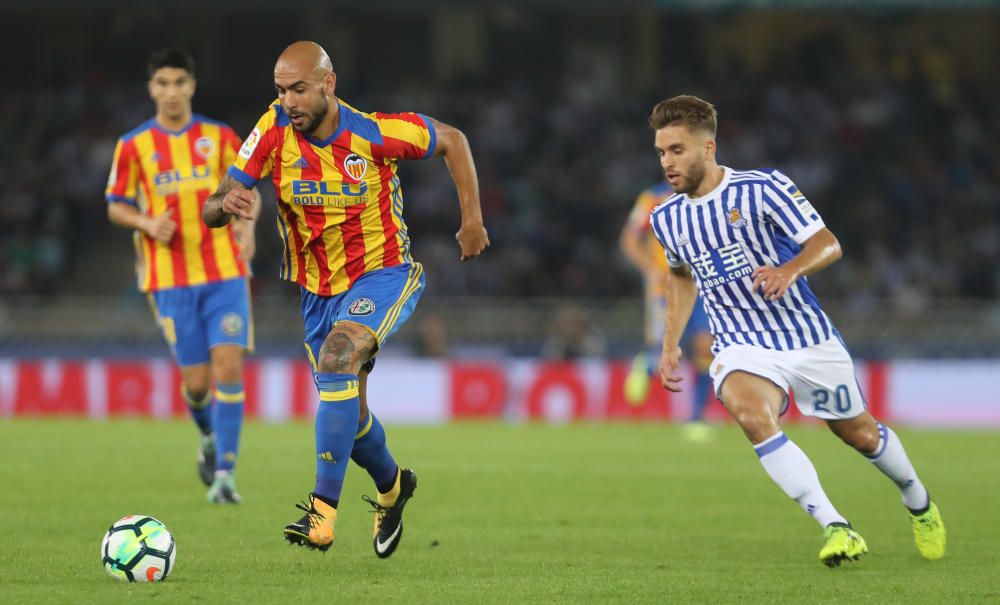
(340, 204)
(156, 170)
(638, 221)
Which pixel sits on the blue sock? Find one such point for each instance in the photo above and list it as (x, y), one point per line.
(228, 420)
(336, 424)
(371, 453)
(702, 385)
(201, 410)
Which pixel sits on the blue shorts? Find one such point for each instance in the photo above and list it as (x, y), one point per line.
(381, 301)
(656, 308)
(196, 318)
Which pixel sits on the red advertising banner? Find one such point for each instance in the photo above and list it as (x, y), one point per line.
(428, 391)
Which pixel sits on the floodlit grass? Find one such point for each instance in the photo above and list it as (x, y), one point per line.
(619, 513)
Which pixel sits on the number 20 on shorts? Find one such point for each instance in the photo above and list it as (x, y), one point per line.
(841, 399)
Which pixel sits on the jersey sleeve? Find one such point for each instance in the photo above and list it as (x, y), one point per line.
(638, 220)
(230, 147)
(657, 222)
(123, 182)
(786, 206)
(255, 158)
(406, 136)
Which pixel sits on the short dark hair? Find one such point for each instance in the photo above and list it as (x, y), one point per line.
(170, 57)
(685, 109)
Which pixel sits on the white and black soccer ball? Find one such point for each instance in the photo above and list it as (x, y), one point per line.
(138, 548)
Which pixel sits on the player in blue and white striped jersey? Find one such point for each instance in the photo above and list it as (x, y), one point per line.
(746, 240)
(756, 218)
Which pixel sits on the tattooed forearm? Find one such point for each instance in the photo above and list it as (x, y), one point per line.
(212, 213)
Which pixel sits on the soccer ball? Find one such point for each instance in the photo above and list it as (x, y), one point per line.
(138, 548)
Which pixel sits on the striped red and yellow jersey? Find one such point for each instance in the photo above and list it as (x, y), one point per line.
(638, 221)
(157, 170)
(340, 204)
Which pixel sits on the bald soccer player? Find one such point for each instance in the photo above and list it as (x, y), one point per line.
(341, 219)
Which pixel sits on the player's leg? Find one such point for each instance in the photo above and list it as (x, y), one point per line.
(225, 309)
(394, 294)
(755, 403)
(315, 528)
(885, 451)
(882, 447)
(176, 312)
(348, 346)
(699, 341)
(393, 485)
(700, 347)
(196, 389)
(339, 359)
(755, 396)
(362, 318)
(825, 386)
(227, 418)
(370, 450)
(645, 364)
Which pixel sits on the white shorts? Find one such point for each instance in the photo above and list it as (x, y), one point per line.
(820, 377)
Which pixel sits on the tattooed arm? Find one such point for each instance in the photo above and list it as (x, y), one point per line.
(229, 200)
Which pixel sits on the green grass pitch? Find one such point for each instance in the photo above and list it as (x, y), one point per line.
(585, 513)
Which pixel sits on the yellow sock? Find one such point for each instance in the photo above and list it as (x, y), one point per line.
(389, 498)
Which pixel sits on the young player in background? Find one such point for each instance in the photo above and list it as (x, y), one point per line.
(340, 215)
(640, 247)
(746, 240)
(196, 279)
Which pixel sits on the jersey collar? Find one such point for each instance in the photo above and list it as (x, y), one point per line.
(182, 130)
(711, 195)
(341, 126)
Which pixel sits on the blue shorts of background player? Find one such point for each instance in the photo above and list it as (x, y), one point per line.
(196, 318)
(696, 343)
(656, 310)
(698, 322)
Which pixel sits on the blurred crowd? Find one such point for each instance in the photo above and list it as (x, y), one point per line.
(893, 143)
